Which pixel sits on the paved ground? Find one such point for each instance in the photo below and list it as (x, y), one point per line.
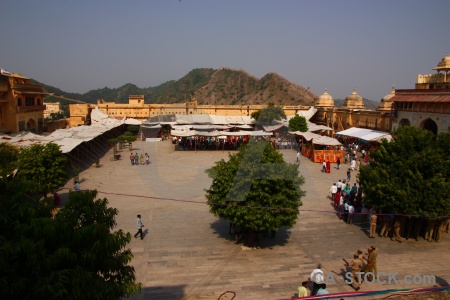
(187, 252)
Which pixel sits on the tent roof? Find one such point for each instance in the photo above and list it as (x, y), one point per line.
(69, 138)
(273, 127)
(235, 120)
(365, 134)
(131, 121)
(201, 119)
(218, 119)
(248, 120)
(317, 139)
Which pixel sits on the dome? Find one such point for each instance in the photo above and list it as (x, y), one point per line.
(388, 96)
(386, 103)
(325, 100)
(444, 64)
(354, 101)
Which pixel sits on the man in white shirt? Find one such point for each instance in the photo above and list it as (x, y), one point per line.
(351, 211)
(339, 185)
(77, 186)
(333, 191)
(317, 279)
(139, 226)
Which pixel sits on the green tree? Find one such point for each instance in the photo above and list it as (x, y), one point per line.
(255, 189)
(298, 123)
(8, 158)
(409, 175)
(43, 165)
(255, 115)
(271, 113)
(55, 116)
(127, 137)
(133, 129)
(73, 255)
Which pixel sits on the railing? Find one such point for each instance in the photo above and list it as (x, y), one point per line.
(21, 109)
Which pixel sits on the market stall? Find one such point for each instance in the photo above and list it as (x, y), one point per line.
(320, 148)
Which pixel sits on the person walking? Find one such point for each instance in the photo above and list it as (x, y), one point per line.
(298, 156)
(147, 159)
(351, 211)
(317, 279)
(369, 271)
(386, 227)
(333, 191)
(396, 235)
(77, 186)
(373, 224)
(356, 266)
(139, 226)
(132, 158)
(338, 163)
(136, 159)
(430, 229)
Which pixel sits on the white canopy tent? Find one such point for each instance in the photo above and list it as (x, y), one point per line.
(365, 134)
(317, 139)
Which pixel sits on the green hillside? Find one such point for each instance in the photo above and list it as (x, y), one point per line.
(209, 86)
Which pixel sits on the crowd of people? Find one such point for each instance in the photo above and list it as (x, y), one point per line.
(229, 142)
(136, 159)
(348, 201)
(362, 267)
(209, 143)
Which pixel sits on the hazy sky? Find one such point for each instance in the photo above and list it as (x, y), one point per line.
(336, 45)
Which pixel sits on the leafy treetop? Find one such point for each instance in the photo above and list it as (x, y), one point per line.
(298, 123)
(409, 175)
(269, 114)
(255, 189)
(45, 166)
(74, 255)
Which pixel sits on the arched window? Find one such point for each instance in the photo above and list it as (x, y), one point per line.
(430, 125)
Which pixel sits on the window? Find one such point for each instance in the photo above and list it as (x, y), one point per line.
(29, 101)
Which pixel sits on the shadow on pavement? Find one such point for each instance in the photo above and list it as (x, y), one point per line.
(161, 293)
(266, 239)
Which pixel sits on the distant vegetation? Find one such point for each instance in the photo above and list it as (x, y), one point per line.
(209, 86)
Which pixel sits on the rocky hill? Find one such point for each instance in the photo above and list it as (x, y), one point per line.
(209, 86)
(237, 87)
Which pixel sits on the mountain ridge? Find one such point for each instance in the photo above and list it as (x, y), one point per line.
(223, 86)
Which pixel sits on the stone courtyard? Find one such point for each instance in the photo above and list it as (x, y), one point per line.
(187, 252)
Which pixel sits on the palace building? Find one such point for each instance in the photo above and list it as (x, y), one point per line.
(21, 104)
(353, 113)
(427, 106)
